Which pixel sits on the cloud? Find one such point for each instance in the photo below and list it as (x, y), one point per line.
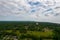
(19, 10)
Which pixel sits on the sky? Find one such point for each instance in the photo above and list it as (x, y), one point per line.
(30, 10)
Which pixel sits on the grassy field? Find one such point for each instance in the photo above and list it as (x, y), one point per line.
(23, 30)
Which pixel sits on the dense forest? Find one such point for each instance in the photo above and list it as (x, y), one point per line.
(28, 30)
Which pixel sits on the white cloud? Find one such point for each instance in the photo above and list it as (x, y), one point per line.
(20, 10)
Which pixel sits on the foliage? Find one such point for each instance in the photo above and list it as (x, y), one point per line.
(29, 31)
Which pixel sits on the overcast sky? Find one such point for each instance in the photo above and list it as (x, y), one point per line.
(30, 10)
